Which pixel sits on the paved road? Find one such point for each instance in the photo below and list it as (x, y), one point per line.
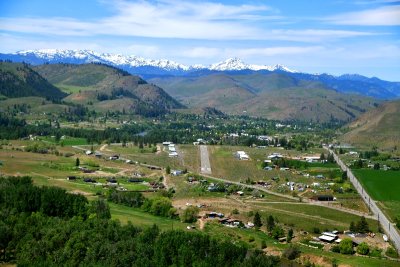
(205, 160)
(387, 226)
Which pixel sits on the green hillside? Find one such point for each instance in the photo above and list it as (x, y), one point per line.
(108, 88)
(269, 95)
(20, 80)
(379, 127)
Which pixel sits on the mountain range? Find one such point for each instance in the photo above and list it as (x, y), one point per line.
(347, 83)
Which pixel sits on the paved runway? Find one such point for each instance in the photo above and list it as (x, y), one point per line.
(205, 160)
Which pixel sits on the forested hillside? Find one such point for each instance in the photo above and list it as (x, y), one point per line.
(107, 88)
(20, 80)
(50, 227)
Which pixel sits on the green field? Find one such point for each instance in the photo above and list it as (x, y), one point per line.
(381, 185)
(141, 218)
(68, 141)
(306, 217)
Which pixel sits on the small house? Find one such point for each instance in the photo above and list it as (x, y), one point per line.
(176, 172)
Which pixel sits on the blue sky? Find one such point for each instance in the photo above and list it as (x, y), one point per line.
(333, 36)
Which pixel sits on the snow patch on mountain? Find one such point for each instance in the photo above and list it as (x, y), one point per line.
(88, 56)
(232, 64)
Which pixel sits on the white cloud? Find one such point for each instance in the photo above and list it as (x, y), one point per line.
(177, 19)
(382, 16)
(213, 52)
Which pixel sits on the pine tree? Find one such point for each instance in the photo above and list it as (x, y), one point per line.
(270, 223)
(352, 227)
(362, 226)
(289, 235)
(257, 220)
(77, 162)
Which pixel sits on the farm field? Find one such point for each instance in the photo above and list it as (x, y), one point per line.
(309, 216)
(140, 218)
(383, 186)
(233, 169)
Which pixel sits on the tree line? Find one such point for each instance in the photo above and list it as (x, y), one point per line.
(50, 227)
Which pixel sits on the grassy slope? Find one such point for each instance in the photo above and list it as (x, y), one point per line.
(272, 95)
(379, 127)
(87, 81)
(20, 80)
(305, 104)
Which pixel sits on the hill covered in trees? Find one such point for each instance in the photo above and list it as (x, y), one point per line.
(50, 227)
(107, 88)
(20, 80)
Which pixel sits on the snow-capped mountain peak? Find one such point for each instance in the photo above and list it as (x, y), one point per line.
(229, 64)
(132, 61)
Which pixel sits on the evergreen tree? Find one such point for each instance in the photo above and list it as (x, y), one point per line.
(352, 227)
(77, 162)
(362, 226)
(168, 170)
(257, 220)
(270, 223)
(289, 236)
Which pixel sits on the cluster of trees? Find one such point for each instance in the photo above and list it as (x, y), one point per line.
(130, 199)
(39, 147)
(290, 163)
(346, 247)
(18, 195)
(159, 206)
(359, 227)
(274, 229)
(32, 236)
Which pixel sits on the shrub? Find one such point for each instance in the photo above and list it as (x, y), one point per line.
(335, 249)
(363, 248)
(277, 232)
(316, 230)
(189, 215)
(346, 246)
(263, 244)
(292, 252)
(391, 252)
(375, 252)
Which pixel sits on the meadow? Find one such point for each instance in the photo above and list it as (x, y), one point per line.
(382, 186)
